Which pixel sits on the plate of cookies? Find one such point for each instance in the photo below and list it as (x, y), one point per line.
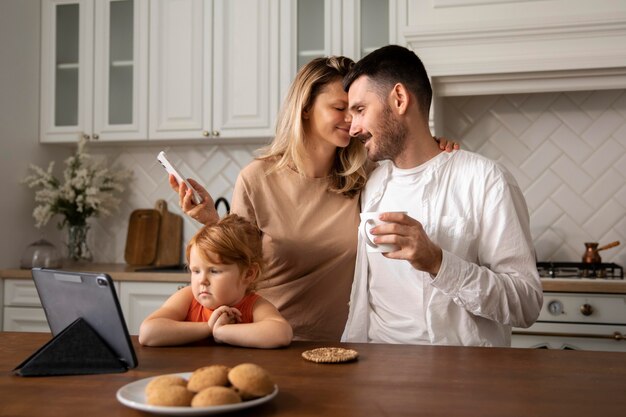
(212, 389)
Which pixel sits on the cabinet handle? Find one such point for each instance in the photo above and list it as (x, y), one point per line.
(205, 133)
(216, 133)
(85, 136)
(96, 136)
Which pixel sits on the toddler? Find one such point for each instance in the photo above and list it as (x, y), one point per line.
(225, 260)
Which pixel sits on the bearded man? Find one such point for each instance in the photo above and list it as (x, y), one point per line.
(464, 270)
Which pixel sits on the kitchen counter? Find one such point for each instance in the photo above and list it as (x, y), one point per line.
(123, 272)
(118, 272)
(389, 380)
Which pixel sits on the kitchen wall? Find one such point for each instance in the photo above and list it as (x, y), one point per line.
(568, 154)
(19, 128)
(215, 166)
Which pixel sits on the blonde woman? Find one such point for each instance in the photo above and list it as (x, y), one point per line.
(303, 193)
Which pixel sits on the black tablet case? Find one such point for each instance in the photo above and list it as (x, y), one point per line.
(90, 335)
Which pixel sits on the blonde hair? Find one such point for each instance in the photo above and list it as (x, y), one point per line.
(348, 174)
(232, 240)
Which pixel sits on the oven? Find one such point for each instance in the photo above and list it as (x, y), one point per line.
(593, 320)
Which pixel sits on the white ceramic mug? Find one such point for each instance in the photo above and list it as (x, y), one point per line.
(368, 221)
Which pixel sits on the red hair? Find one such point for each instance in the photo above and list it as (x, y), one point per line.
(232, 240)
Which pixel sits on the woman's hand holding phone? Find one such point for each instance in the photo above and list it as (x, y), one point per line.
(204, 212)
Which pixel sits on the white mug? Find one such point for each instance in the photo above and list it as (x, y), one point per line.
(368, 221)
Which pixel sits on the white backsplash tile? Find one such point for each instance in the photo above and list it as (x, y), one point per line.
(569, 160)
(567, 151)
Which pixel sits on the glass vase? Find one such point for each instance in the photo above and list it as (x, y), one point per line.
(77, 247)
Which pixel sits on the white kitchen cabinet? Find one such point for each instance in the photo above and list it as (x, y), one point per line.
(22, 311)
(352, 28)
(213, 68)
(94, 70)
(139, 299)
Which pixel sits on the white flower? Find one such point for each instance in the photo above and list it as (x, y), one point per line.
(87, 189)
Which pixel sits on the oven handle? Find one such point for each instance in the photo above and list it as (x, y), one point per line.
(617, 336)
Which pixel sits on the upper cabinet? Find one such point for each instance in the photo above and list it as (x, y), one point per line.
(213, 68)
(352, 28)
(191, 69)
(94, 70)
(349, 27)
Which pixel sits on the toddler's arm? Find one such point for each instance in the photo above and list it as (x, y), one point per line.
(167, 325)
(269, 329)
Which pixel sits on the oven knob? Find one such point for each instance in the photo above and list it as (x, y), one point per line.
(586, 309)
(555, 308)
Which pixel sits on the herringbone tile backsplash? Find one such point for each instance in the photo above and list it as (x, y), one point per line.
(566, 150)
(568, 154)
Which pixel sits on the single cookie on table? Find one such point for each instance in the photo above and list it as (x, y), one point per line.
(251, 381)
(165, 381)
(208, 376)
(330, 355)
(170, 396)
(215, 395)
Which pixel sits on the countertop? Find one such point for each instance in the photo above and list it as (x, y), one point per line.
(123, 272)
(386, 380)
(118, 272)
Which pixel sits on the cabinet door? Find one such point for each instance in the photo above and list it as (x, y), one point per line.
(94, 70)
(120, 70)
(20, 319)
(245, 68)
(352, 28)
(66, 69)
(180, 69)
(139, 299)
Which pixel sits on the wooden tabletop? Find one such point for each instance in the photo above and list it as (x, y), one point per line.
(387, 380)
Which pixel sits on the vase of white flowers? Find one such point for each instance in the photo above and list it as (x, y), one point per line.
(88, 191)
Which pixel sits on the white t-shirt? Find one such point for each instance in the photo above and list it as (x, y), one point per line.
(391, 279)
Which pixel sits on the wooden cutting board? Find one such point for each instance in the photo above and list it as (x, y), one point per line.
(154, 237)
(169, 247)
(142, 237)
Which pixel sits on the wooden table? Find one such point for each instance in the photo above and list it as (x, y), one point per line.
(387, 380)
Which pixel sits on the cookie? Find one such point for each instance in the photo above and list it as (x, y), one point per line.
(208, 376)
(215, 396)
(330, 355)
(165, 381)
(170, 396)
(251, 381)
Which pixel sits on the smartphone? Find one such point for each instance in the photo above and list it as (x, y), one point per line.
(162, 158)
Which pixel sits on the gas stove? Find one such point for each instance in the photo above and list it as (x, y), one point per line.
(578, 320)
(577, 270)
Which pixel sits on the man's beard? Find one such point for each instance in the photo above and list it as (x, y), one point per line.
(391, 138)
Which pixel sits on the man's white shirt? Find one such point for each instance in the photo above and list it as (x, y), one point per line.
(474, 210)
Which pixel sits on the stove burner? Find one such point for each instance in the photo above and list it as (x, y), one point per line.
(579, 270)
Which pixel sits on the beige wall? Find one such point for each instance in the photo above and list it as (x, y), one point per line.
(19, 124)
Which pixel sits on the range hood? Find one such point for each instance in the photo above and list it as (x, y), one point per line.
(524, 57)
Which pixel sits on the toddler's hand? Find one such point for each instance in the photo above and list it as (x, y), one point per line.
(223, 315)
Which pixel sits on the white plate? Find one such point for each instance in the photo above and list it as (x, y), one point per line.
(133, 395)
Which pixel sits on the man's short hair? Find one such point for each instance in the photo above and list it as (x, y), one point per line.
(393, 64)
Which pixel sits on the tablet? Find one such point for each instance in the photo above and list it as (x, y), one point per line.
(67, 296)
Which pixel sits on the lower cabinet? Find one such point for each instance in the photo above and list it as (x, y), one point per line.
(139, 299)
(22, 311)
